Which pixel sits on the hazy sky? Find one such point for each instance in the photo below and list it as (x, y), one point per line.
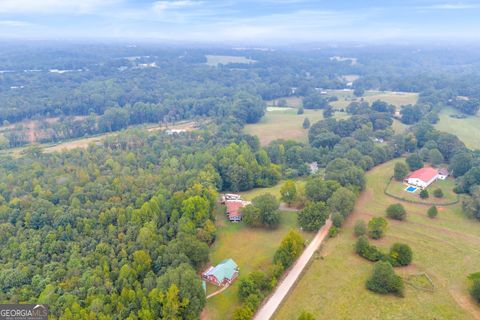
(241, 21)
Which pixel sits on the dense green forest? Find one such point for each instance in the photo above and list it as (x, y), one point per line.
(120, 228)
(113, 86)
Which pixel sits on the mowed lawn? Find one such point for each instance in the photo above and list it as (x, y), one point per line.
(293, 102)
(467, 129)
(275, 190)
(252, 249)
(399, 127)
(446, 248)
(285, 124)
(398, 99)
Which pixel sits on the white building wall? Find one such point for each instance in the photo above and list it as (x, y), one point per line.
(420, 183)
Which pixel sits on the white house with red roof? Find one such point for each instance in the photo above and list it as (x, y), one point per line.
(423, 177)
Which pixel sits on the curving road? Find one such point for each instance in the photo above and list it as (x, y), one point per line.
(267, 310)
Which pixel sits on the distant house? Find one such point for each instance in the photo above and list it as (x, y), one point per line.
(443, 173)
(175, 131)
(423, 177)
(313, 167)
(233, 209)
(222, 274)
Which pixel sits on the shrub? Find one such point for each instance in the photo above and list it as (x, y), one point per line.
(424, 194)
(438, 193)
(333, 231)
(432, 212)
(400, 255)
(306, 123)
(337, 219)
(288, 192)
(396, 211)
(300, 110)
(384, 280)
(475, 290)
(377, 227)
(360, 228)
(367, 251)
(306, 316)
(247, 287)
(400, 171)
(252, 301)
(243, 313)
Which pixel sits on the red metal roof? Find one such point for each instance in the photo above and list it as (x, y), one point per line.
(425, 174)
(233, 207)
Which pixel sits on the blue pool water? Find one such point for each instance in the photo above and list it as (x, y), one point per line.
(411, 189)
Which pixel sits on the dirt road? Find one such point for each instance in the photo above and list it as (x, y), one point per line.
(267, 310)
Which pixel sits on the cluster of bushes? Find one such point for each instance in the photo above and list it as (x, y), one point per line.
(258, 284)
(383, 279)
(400, 254)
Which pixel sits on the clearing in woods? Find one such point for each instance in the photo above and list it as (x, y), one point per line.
(286, 124)
(447, 248)
(398, 99)
(467, 129)
(251, 248)
(85, 142)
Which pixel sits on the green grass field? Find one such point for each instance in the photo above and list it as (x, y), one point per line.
(446, 248)
(285, 124)
(398, 99)
(293, 102)
(275, 190)
(252, 249)
(468, 129)
(399, 127)
(397, 189)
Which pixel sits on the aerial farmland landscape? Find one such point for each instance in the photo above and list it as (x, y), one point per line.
(217, 160)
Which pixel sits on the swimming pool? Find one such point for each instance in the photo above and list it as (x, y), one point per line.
(411, 189)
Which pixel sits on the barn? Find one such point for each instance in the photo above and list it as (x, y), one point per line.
(222, 274)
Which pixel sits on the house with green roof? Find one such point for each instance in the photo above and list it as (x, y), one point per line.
(222, 274)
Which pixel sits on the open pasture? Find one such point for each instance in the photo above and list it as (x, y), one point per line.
(445, 248)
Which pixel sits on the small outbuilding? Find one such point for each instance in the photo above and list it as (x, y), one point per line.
(443, 173)
(222, 274)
